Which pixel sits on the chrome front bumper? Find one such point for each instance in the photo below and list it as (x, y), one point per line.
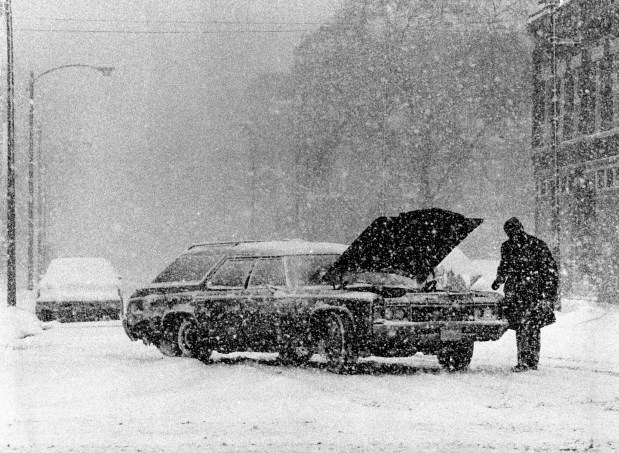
(438, 331)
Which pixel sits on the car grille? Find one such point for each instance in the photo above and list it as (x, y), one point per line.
(439, 313)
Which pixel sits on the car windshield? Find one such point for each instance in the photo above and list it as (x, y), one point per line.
(189, 267)
(309, 270)
(383, 279)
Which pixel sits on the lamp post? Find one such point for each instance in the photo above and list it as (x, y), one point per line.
(11, 293)
(106, 71)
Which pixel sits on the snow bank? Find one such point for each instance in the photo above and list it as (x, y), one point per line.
(585, 336)
(19, 321)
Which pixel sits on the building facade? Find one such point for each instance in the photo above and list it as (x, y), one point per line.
(575, 140)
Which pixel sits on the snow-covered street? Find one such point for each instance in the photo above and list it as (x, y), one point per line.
(85, 387)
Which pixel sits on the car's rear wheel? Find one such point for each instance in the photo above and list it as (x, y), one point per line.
(187, 338)
(339, 349)
(455, 356)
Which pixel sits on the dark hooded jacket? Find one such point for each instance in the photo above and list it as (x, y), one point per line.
(531, 278)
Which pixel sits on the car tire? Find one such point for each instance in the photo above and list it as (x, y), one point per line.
(168, 344)
(456, 356)
(339, 349)
(187, 338)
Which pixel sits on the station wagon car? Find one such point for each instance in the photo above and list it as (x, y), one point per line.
(375, 297)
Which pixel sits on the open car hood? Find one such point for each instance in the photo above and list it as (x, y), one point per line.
(411, 244)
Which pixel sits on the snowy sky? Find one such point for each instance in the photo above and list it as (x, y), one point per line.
(139, 164)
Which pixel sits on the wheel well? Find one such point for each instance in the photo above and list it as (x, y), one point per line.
(174, 320)
(319, 317)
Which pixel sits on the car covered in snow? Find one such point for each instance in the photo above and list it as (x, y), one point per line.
(376, 297)
(79, 289)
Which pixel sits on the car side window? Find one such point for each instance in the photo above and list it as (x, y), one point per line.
(232, 273)
(268, 272)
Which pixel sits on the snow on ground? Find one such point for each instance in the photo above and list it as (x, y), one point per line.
(85, 387)
(20, 321)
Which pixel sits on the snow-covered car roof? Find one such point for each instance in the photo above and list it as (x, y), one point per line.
(78, 270)
(193, 265)
(270, 248)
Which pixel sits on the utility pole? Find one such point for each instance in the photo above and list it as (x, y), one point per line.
(41, 209)
(31, 184)
(11, 274)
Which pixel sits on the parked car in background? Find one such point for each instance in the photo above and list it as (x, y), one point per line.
(375, 297)
(79, 289)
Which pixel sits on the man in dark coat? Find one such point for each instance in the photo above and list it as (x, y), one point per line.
(531, 282)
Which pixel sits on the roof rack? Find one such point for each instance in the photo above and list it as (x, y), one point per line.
(220, 243)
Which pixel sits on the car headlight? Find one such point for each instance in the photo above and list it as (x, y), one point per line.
(135, 306)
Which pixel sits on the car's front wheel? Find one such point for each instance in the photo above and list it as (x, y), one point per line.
(455, 356)
(339, 348)
(168, 344)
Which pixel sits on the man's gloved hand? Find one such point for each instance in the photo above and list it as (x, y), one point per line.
(495, 285)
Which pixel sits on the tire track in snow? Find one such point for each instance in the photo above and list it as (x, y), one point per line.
(579, 368)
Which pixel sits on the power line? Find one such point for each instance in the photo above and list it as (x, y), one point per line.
(459, 29)
(160, 32)
(161, 21)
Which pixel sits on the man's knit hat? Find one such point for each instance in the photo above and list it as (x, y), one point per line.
(513, 225)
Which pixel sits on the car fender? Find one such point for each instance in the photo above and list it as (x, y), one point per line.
(321, 310)
(179, 310)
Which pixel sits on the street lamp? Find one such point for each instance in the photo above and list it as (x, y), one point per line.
(106, 71)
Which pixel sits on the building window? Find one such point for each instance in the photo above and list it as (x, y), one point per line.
(600, 178)
(610, 177)
(606, 95)
(586, 123)
(542, 187)
(539, 107)
(564, 187)
(555, 106)
(574, 182)
(549, 106)
(617, 176)
(592, 182)
(568, 116)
